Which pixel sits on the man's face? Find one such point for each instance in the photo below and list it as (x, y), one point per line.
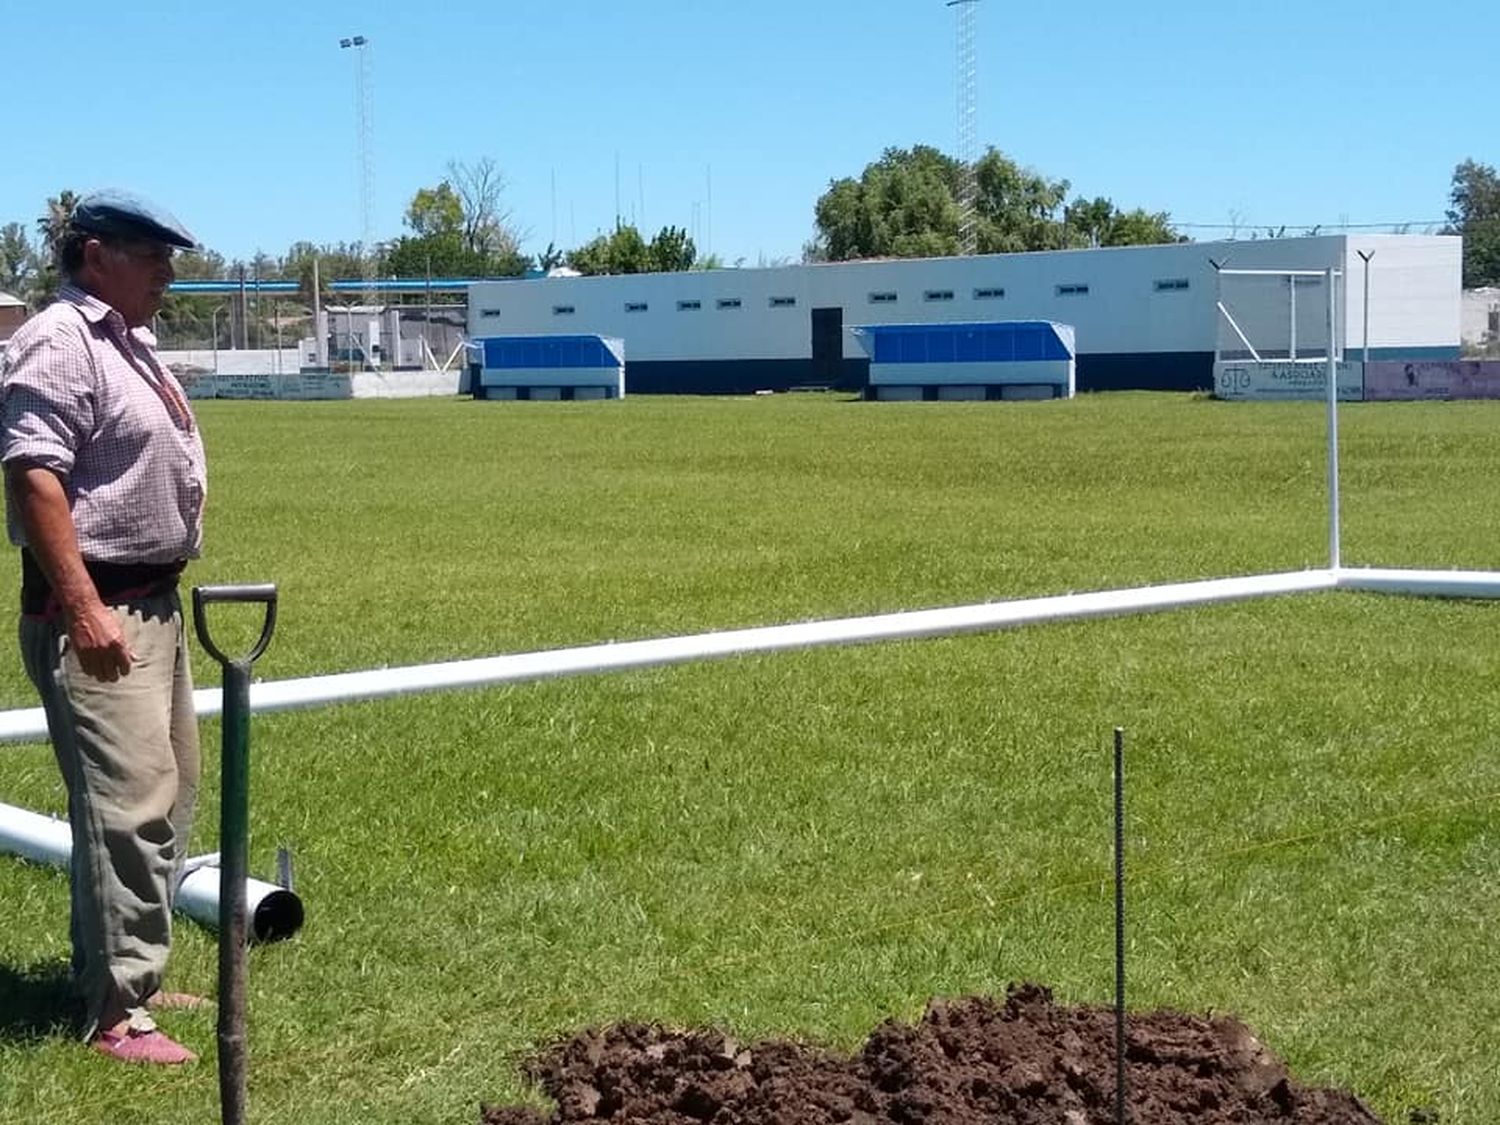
(132, 275)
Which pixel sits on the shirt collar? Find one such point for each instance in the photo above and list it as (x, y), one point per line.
(96, 311)
(93, 309)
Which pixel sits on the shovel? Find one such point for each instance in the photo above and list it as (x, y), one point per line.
(234, 831)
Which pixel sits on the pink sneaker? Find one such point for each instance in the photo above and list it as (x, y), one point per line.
(142, 1046)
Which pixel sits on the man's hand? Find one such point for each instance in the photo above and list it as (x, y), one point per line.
(99, 643)
(94, 632)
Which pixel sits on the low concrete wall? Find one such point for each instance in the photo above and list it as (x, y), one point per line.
(233, 361)
(314, 384)
(405, 384)
(300, 386)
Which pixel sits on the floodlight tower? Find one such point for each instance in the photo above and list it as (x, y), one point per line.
(363, 106)
(968, 190)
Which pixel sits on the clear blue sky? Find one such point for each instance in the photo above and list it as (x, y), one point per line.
(240, 118)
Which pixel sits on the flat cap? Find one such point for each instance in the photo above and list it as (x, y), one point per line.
(124, 215)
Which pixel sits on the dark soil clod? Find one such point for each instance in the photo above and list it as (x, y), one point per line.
(1022, 1061)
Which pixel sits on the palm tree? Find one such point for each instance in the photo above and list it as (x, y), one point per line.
(51, 228)
(52, 225)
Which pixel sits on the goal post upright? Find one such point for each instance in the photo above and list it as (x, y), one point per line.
(1334, 559)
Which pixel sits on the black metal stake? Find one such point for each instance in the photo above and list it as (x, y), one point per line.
(1120, 1112)
(234, 834)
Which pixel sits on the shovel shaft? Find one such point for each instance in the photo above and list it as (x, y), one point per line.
(234, 833)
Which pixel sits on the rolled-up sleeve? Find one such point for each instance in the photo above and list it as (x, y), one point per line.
(46, 400)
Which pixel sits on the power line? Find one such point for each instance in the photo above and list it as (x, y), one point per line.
(1246, 225)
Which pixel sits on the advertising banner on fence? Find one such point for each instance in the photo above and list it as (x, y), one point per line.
(1432, 379)
(1273, 381)
(304, 385)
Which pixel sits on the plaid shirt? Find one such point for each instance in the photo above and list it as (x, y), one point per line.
(86, 397)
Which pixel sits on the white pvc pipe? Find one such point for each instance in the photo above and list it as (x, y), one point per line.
(273, 912)
(312, 691)
(1422, 583)
(29, 724)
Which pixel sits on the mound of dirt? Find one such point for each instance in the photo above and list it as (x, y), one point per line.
(1023, 1061)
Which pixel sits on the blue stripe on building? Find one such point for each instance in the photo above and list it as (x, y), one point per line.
(1160, 371)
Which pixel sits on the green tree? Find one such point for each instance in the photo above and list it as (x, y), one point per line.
(187, 320)
(50, 228)
(905, 205)
(334, 260)
(1016, 209)
(1474, 213)
(436, 211)
(445, 255)
(1098, 222)
(18, 262)
(1140, 227)
(623, 251)
(458, 229)
(55, 221)
(672, 250)
(486, 225)
(207, 265)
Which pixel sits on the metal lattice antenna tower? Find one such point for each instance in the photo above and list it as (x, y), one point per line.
(364, 101)
(964, 75)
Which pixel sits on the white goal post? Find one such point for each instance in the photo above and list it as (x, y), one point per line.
(1263, 308)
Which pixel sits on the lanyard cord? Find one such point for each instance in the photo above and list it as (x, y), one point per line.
(155, 378)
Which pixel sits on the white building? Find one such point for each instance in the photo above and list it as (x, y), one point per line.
(12, 314)
(1144, 317)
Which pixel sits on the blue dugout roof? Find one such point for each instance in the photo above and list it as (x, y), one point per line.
(511, 352)
(1001, 341)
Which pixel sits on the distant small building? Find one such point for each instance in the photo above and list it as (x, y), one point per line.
(1481, 321)
(12, 315)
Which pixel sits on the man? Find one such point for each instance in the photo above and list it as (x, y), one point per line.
(104, 489)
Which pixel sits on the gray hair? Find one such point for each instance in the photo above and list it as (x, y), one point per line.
(69, 251)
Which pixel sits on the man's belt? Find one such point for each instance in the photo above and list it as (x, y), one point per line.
(117, 583)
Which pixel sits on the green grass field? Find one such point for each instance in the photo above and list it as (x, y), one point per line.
(804, 844)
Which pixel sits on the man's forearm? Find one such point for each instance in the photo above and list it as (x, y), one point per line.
(42, 505)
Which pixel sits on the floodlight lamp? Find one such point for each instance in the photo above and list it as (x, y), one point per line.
(359, 40)
(344, 43)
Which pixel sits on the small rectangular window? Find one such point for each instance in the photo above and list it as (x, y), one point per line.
(988, 294)
(729, 302)
(635, 306)
(1073, 290)
(1170, 284)
(783, 302)
(688, 306)
(562, 310)
(488, 313)
(938, 295)
(885, 298)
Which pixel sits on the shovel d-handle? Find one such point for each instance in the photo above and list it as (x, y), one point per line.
(264, 592)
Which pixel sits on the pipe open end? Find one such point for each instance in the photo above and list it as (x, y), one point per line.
(276, 916)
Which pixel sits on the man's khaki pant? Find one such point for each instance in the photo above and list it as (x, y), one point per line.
(128, 752)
